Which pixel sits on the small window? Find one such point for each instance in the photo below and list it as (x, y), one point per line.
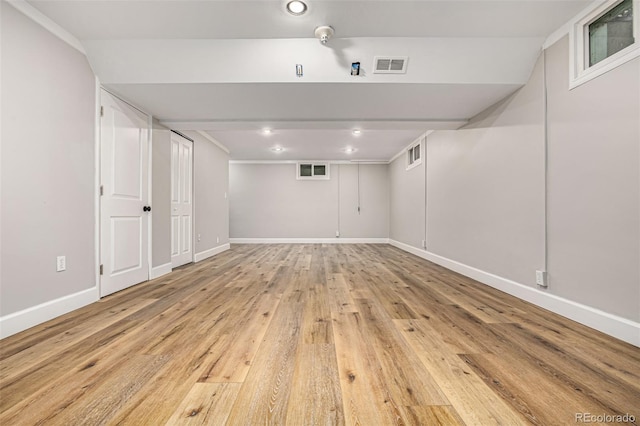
(319, 170)
(413, 156)
(604, 39)
(611, 32)
(313, 171)
(306, 170)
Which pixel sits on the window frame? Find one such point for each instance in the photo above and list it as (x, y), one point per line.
(313, 165)
(410, 157)
(580, 71)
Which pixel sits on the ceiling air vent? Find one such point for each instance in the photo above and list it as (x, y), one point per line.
(390, 64)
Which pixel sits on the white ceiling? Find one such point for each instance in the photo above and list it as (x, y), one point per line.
(315, 144)
(227, 67)
(231, 19)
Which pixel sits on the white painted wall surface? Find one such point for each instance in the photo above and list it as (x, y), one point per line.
(48, 147)
(161, 195)
(485, 187)
(594, 186)
(373, 219)
(486, 194)
(267, 201)
(211, 187)
(407, 202)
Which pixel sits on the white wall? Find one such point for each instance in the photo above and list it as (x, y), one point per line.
(48, 185)
(161, 195)
(211, 203)
(594, 186)
(371, 181)
(210, 198)
(48, 180)
(485, 202)
(407, 201)
(267, 201)
(485, 188)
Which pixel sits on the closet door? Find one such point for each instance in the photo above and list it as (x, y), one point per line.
(181, 200)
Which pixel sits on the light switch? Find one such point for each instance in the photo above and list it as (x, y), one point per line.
(61, 263)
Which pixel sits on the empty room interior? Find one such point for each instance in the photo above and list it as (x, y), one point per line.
(319, 212)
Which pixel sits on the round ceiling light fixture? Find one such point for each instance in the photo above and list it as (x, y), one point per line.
(277, 149)
(356, 132)
(296, 7)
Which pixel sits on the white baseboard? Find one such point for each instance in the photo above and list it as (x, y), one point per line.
(158, 271)
(27, 318)
(211, 252)
(613, 325)
(309, 240)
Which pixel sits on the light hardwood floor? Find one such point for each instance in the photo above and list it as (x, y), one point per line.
(314, 334)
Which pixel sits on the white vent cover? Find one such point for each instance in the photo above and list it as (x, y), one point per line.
(390, 64)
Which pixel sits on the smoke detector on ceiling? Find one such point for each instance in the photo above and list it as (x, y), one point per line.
(324, 33)
(390, 64)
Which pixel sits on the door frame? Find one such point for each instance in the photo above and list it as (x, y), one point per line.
(98, 175)
(193, 193)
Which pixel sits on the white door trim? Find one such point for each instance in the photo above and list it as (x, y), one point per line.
(150, 196)
(96, 186)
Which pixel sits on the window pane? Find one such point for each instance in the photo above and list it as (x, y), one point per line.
(410, 152)
(611, 32)
(305, 169)
(416, 152)
(319, 170)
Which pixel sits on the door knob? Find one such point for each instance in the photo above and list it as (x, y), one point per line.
(146, 209)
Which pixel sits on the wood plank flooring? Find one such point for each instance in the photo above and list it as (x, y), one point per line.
(314, 334)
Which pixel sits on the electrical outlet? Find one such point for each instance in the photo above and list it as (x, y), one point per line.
(541, 278)
(199, 237)
(337, 234)
(217, 239)
(61, 263)
(424, 243)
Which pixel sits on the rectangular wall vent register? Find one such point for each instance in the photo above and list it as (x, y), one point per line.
(390, 64)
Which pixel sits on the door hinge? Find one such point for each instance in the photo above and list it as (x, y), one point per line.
(101, 269)
(101, 111)
(101, 190)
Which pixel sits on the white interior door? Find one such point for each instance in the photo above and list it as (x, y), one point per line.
(124, 162)
(181, 200)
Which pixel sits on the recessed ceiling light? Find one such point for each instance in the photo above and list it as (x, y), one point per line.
(357, 131)
(277, 149)
(266, 131)
(296, 8)
(349, 150)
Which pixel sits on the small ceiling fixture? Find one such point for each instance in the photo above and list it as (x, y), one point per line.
(296, 7)
(356, 131)
(266, 131)
(277, 149)
(324, 33)
(349, 150)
